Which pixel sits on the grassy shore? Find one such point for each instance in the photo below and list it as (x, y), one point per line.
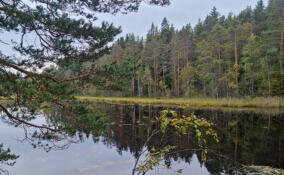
(259, 102)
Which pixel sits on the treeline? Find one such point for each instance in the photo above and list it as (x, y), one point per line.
(222, 56)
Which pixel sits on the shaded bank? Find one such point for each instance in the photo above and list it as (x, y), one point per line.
(193, 102)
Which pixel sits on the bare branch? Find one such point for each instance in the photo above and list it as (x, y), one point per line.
(14, 66)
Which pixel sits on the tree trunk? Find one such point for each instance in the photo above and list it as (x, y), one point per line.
(236, 146)
(281, 58)
(149, 88)
(236, 61)
(133, 86)
(269, 84)
(279, 151)
(175, 77)
(220, 72)
(155, 77)
(164, 78)
(178, 78)
(139, 83)
(134, 122)
(252, 87)
(187, 61)
(121, 116)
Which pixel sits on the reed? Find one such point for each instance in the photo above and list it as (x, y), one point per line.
(258, 102)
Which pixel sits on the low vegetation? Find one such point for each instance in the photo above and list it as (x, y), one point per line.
(262, 170)
(259, 102)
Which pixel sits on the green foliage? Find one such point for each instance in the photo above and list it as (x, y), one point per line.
(6, 158)
(117, 75)
(183, 125)
(221, 56)
(276, 88)
(251, 64)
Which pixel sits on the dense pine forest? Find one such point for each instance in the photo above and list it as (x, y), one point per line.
(222, 56)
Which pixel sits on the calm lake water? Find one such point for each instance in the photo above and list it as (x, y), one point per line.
(247, 137)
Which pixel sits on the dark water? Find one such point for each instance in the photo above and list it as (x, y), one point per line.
(246, 138)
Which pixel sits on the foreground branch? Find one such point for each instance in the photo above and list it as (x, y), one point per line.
(18, 68)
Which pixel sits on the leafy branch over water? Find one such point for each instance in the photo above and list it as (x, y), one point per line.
(182, 125)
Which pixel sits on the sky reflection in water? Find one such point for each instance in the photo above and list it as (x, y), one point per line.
(108, 156)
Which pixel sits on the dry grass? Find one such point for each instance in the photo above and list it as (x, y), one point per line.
(259, 102)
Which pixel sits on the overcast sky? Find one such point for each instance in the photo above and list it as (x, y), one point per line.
(179, 13)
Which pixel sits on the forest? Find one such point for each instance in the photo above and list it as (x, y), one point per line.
(78, 97)
(222, 56)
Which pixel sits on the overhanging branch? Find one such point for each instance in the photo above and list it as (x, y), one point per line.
(14, 66)
(18, 68)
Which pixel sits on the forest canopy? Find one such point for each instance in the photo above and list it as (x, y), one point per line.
(236, 55)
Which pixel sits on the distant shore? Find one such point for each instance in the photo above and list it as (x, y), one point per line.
(258, 102)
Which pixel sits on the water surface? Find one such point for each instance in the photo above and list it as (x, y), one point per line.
(246, 138)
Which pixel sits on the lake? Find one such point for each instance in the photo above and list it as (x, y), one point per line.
(247, 137)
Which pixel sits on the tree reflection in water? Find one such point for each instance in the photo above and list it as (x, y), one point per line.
(54, 130)
(246, 137)
(6, 159)
(50, 130)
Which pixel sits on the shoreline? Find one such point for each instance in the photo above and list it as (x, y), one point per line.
(259, 102)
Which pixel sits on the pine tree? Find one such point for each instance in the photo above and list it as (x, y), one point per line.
(251, 64)
(60, 38)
